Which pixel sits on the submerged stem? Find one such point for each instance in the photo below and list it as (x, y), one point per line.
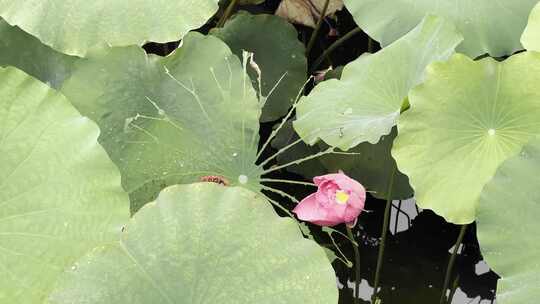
(384, 233)
(357, 267)
(227, 13)
(449, 268)
(334, 46)
(317, 28)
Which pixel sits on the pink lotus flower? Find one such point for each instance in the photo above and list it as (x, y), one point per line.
(339, 199)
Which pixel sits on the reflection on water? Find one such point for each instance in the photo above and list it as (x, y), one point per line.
(461, 297)
(366, 290)
(402, 214)
(417, 251)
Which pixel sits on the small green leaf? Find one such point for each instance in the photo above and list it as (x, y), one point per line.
(60, 194)
(278, 53)
(365, 104)
(508, 226)
(203, 243)
(465, 120)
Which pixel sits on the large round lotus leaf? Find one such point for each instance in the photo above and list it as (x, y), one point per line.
(464, 121)
(60, 195)
(75, 26)
(203, 243)
(508, 225)
(278, 53)
(370, 164)
(366, 102)
(171, 120)
(488, 26)
(21, 50)
(531, 35)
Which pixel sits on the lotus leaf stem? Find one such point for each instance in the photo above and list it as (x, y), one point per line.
(454, 288)
(357, 266)
(384, 233)
(451, 263)
(317, 28)
(334, 46)
(227, 13)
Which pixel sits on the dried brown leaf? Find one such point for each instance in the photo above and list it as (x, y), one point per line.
(306, 12)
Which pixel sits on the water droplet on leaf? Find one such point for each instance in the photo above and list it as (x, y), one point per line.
(242, 179)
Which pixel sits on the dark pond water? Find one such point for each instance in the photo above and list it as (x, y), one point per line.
(417, 252)
(419, 242)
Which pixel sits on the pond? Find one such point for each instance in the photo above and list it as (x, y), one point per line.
(417, 252)
(157, 179)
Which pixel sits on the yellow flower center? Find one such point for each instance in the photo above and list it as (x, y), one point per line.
(341, 197)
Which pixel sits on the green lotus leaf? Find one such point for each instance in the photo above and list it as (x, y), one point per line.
(487, 26)
(60, 195)
(370, 164)
(171, 120)
(278, 53)
(203, 243)
(21, 50)
(76, 26)
(464, 121)
(365, 104)
(531, 35)
(507, 224)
